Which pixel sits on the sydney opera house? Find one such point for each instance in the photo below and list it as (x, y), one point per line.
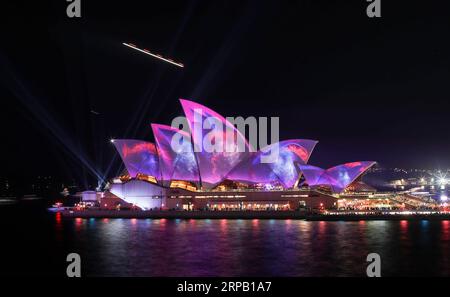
(158, 177)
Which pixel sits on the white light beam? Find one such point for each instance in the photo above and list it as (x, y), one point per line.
(153, 55)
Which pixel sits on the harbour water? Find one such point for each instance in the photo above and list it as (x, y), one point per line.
(36, 242)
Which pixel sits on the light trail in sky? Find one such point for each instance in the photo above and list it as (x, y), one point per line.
(145, 51)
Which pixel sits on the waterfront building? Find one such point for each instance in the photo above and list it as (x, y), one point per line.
(158, 177)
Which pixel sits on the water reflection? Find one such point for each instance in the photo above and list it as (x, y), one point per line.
(161, 247)
(445, 230)
(58, 219)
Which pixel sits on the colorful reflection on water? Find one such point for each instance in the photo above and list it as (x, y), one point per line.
(161, 247)
(38, 244)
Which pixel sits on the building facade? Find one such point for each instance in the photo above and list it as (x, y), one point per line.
(162, 175)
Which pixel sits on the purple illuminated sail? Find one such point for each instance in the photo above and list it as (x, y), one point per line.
(343, 175)
(213, 165)
(284, 169)
(252, 170)
(138, 156)
(292, 153)
(175, 163)
(313, 175)
(338, 177)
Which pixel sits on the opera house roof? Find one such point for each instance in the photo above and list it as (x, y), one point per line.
(208, 169)
(337, 177)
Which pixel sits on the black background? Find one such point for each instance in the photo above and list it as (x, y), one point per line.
(367, 89)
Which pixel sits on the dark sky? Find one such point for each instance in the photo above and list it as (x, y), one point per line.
(367, 89)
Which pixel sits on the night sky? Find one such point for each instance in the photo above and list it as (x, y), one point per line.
(367, 89)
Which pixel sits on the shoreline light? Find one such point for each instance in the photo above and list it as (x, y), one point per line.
(130, 45)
